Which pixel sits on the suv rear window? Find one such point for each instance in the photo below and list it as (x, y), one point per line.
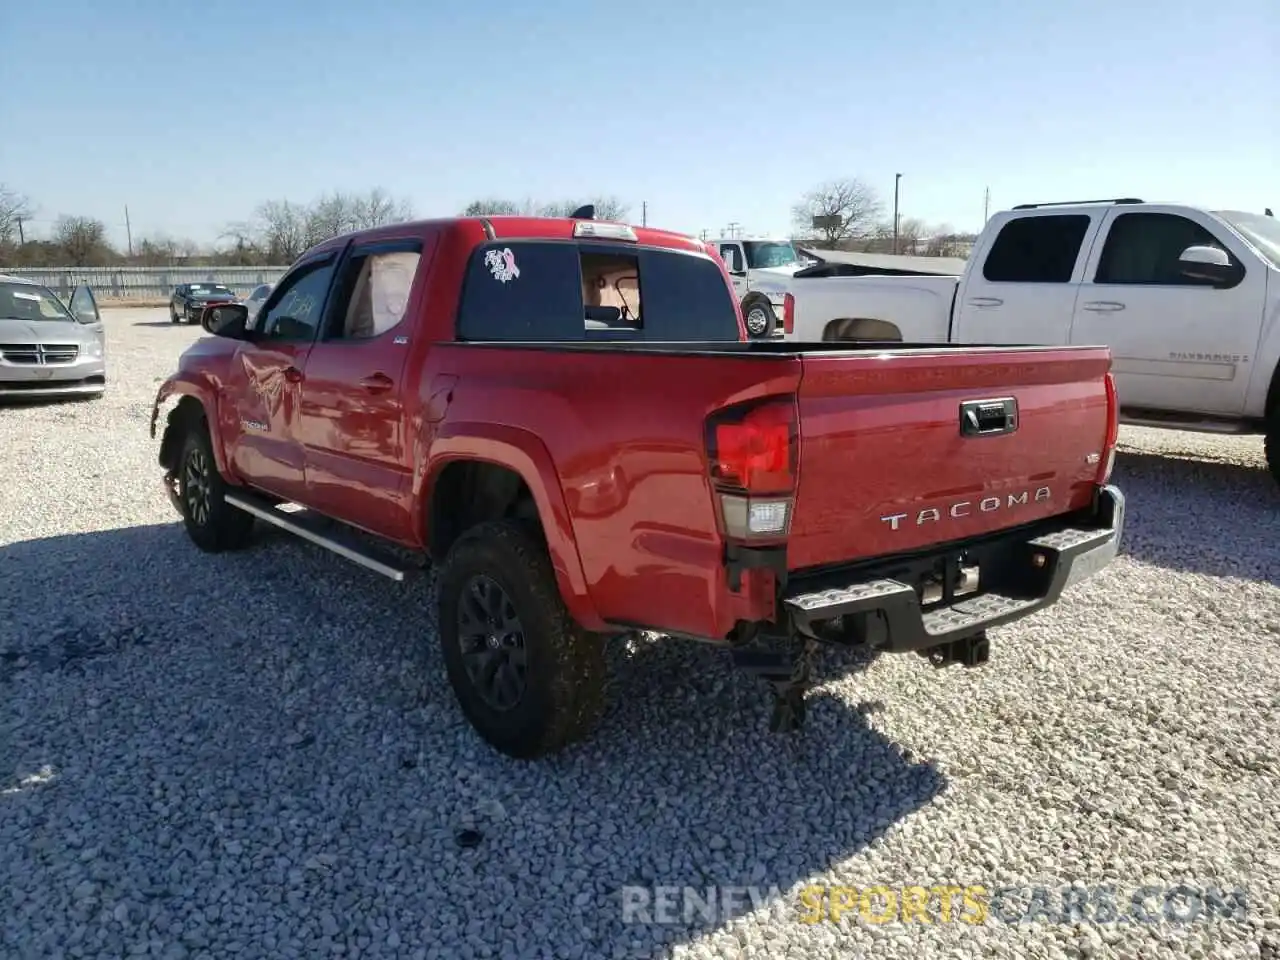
(540, 290)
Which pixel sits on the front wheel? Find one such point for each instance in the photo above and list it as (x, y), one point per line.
(526, 676)
(759, 318)
(212, 524)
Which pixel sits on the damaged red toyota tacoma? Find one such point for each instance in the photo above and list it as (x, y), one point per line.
(566, 418)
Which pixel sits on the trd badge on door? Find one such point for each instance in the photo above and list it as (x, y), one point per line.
(254, 425)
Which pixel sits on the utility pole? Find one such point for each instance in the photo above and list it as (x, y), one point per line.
(128, 230)
(986, 205)
(733, 228)
(644, 213)
(896, 177)
(22, 238)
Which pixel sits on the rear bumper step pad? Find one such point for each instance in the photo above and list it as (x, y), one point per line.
(1061, 558)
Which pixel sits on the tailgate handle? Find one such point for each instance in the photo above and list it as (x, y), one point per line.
(988, 418)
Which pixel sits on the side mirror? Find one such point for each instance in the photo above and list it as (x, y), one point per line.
(83, 306)
(1211, 265)
(226, 320)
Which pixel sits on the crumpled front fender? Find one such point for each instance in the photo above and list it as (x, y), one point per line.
(180, 387)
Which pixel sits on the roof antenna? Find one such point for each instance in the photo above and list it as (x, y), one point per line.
(585, 212)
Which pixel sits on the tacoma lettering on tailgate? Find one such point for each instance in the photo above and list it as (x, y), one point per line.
(965, 508)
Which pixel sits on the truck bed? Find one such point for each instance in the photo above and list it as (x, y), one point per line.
(883, 466)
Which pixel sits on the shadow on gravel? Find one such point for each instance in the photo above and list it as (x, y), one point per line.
(1200, 515)
(160, 323)
(320, 688)
(20, 402)
(52, 626)
(702, 796)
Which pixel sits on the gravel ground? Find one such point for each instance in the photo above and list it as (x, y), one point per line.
(259, 756)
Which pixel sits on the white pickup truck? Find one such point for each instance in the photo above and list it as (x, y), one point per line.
(1188, 300)
(760, 268)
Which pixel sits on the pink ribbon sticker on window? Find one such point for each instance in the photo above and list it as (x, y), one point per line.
(502, 264)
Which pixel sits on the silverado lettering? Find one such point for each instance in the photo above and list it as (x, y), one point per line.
(965, 507)
(1210, 357)
(575, 474)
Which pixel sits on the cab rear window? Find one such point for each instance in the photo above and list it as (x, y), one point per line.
(549, 290)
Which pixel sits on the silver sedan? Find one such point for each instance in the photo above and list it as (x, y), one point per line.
(48, 348)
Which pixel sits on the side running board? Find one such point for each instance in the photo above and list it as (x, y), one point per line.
(307, 525)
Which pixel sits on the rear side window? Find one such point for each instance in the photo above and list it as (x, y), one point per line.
(1036, 249)
(544, 290)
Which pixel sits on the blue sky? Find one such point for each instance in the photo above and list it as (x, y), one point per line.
(711, 111)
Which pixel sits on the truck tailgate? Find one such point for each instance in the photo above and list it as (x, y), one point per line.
(885, 466)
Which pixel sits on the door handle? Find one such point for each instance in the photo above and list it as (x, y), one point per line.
(1103, 306)
(293, 374)
(377, 383)
(985, 302)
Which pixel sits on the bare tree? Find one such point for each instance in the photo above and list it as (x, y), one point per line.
(911, 231)
(496, 206)
(946, 242)
(82, 239)
(851, 206)
(328, 216)
(377, 209)
(242, 243)
(281, 227)
(155, 251)
(13, 207)
(607, 208)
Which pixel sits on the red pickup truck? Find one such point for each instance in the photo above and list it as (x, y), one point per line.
(567, 418)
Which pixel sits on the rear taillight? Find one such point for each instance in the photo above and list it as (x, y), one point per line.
(1113, 430)
(788, 314)
(752, 449)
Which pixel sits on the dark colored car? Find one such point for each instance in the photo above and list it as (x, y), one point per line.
(190, 299)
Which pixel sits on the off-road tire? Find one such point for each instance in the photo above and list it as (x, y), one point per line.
(212, 524)
(563, 692)
(1271, 443)
(761, 306)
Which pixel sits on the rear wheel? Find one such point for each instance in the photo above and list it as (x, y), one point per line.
(527, 677)
(212, 524)
(173, 314)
